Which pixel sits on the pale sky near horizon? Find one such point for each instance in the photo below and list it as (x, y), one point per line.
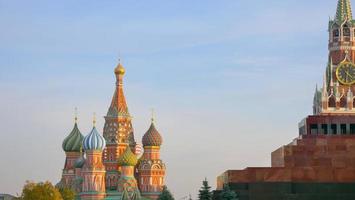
(229, 80)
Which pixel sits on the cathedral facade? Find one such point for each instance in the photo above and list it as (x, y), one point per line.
(110, 166)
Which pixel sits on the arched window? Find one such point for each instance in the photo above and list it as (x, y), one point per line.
(336, 33)
(346, 31)
(343, 102)
(331, 102)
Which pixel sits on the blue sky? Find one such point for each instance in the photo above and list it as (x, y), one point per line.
(229, 80)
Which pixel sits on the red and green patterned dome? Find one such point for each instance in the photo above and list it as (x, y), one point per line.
(128, 158)
(152, 137)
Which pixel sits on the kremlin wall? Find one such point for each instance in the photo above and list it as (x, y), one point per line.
(320, 163)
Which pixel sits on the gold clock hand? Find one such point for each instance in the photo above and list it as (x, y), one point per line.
(347, 72)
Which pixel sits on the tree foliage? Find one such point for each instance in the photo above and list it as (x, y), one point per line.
(165, 194)
(40, 191)
(228, 194)
(205, 191)
(67, 193)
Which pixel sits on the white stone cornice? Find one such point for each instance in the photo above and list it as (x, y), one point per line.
(343, 47)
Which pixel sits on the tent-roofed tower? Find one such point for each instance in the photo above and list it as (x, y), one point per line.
(341, 33)
(336, 96)
(343, 11)
(118, 130)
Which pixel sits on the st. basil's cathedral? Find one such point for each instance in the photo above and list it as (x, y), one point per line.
(108, 166)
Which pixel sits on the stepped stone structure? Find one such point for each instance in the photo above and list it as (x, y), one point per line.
(320, 162)
(110, 166)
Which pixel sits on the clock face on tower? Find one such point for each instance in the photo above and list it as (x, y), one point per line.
(346, 73)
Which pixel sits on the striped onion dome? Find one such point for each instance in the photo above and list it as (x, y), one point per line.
(152, 137)
(73, 142)
(94, 141)
(128, 158)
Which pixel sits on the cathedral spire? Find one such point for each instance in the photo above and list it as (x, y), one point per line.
(343, 11)
(152, 117)
(94, 120)
(76, 115)
(119, 106)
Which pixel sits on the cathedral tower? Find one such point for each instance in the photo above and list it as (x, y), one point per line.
(151, 168)
(93, 171)
(71, 146)
(127, 184)
(118, 131)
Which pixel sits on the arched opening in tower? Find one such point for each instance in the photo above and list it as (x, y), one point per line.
(332, 102)
(343, 102)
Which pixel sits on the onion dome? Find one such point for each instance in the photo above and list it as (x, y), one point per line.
(128, 158)
(119, 70)
(152, 137)
(79, 163)
(73, 142)
(94, 141)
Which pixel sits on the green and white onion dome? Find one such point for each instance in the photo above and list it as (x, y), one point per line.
(128, 158)
(94, 141)
(73, 142)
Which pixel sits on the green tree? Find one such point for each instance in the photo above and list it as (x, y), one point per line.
(228, 194)
(165, 194)
(40, 191)
(67, 193)
(204, 192)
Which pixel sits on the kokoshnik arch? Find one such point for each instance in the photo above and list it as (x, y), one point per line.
(107, 166)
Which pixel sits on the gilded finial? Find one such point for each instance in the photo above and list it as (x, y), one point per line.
(119, 70)
(76, 115)
(94, 120)
(152, 116)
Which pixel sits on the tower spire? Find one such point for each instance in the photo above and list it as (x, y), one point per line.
(118, 107)
(325, 91)
(152, 117)
(94, 119)
(76, 115)
(343, 11)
